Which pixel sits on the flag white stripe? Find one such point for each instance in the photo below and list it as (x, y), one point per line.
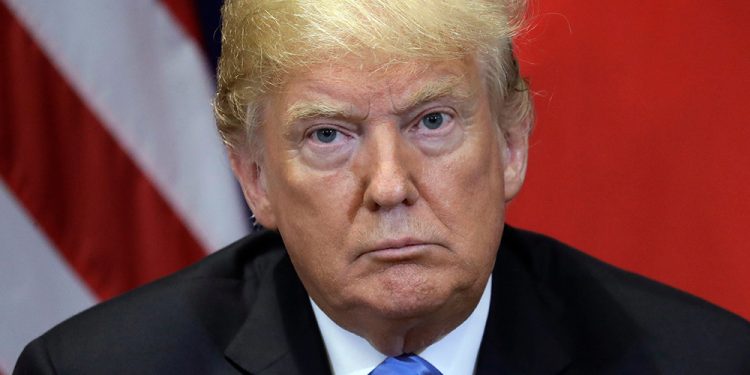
(147, 81)
(39, 289)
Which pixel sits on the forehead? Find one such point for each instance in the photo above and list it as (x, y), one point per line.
(358, 81)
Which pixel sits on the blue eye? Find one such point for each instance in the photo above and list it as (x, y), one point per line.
(326, 135)
(433, 120)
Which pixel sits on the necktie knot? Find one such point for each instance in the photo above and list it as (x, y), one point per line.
(405, 364)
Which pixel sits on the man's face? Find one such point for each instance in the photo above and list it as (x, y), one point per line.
(388, 186)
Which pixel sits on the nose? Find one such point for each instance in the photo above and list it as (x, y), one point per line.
(389, 163)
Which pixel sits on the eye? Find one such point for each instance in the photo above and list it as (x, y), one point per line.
(433, 120)
(326, 135)
(326, 146)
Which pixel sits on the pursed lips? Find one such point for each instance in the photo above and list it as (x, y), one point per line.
(397, 249)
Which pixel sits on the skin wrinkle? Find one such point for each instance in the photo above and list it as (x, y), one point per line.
(445, 87)
(469, 126)
(304, 110)
(321, 109)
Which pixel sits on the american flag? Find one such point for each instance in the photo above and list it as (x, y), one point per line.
(111, 170)
(112, 175)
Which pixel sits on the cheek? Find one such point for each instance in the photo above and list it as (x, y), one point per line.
(468, 186)
(468, 199)
(304, 195)
(313, 211)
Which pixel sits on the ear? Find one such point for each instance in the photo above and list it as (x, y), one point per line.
(252, 179)
(515, 155)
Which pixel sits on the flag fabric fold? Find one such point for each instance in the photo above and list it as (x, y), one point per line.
(111, 171)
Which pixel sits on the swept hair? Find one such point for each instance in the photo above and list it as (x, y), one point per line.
(266, 41)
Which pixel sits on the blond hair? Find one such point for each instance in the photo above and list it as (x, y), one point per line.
(266, 41)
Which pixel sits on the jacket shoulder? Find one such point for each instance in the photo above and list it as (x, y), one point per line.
(182, 321)
(683, 331)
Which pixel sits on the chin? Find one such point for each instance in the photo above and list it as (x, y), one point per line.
(407, 308)
(409, 293)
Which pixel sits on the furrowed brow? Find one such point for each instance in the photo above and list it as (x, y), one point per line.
(307, 110)
(449, 87)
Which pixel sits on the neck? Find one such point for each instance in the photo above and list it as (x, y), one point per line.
(396, 335)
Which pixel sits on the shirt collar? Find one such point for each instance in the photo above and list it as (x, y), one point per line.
(455, 353)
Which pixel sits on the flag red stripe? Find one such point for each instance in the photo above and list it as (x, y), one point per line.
(105, 217)
(185, 13)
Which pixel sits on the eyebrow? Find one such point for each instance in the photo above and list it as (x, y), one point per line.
(447, 87)
(316, 109)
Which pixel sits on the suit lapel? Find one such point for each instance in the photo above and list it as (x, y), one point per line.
(522, 336)
(280, 335)
(550, 313)
(546, 315)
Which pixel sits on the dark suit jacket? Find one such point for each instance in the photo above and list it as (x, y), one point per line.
(243, 310)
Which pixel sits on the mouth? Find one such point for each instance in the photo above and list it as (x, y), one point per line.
(398, 249)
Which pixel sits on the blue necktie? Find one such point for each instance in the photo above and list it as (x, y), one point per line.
(405, 364)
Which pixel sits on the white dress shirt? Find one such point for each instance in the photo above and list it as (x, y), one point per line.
(454, 354)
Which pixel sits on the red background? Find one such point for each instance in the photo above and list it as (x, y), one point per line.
(641, 152)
